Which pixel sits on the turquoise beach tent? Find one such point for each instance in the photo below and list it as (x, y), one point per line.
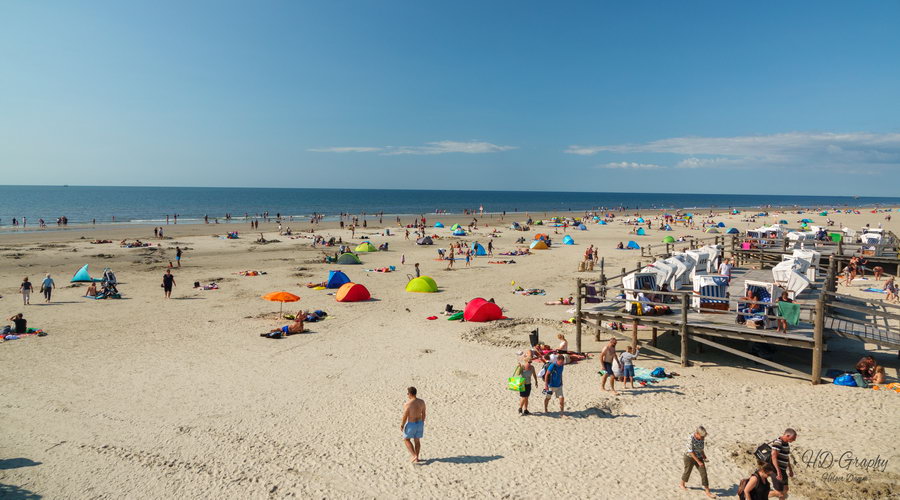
(732, 230)
(82, 276)
(582, 227)
(641, 232)
(459, 232)
(479, 249)
(602, 223)
(567, 240)
(668, 227)
(806, 221)
(336, 279)
(632, 246)
(438, 224)
(782, 221)
(640, 219)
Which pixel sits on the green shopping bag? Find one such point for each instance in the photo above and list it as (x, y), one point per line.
(517, 381)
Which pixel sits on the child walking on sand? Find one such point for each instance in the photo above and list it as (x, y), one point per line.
(626, 359)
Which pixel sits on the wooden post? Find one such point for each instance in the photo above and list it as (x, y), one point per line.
(653, 340)
(784, 242)
(841, 246)
(733, 246)
(684, 330)
(634, 334)
(578, 315)
(818, 333)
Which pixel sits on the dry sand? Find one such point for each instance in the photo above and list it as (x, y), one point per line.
(151, 398)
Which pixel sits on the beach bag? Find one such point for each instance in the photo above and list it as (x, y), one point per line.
(517, 381)
(543, 372)
(845, 380)
(658, 372)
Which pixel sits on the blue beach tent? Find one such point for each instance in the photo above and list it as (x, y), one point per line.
(582, 227)
(459, 232)
(336, 279)
(567, 240)
(641, 232)
(732, 230)
(479, 249)
(632, 246)
(721, 224)
(82, 276)
(438, 224)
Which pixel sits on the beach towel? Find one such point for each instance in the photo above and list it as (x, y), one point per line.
(874, 290)
(789, 311)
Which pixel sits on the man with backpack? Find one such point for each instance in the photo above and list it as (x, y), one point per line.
(553, 382)
(781, 460)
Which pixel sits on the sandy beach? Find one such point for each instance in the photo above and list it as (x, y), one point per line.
(145, 397)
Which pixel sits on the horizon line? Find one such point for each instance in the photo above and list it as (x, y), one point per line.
(458, 190)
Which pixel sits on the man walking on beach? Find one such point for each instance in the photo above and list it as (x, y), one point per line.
(781, 459)
(413, 423)
(696, 457)
(607, 355)
(178, 253)
(553, 384)
(168, 283)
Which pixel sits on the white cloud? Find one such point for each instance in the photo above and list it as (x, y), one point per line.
(793, 149)
(630, 165)
(430, 148)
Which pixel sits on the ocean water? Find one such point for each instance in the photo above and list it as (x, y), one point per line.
(150, 205)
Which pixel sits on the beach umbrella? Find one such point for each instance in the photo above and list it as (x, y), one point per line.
(281, 297)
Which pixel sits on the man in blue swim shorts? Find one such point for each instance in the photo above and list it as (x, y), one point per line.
(413, 423)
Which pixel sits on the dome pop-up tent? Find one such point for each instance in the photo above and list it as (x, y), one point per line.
(540, 236)
(425, 241)
(422, 284)
(732, 230)
(348, 258)
(721, 224)
(336, 279)
(712, 230)
(438, 224)
(567, 240)
(782, 221)
(539, 245)
(455, 227)
(582, 227)
(668, 239)
(602, 223)
(459, 232)
(641, 232)
(352, 292)
(366, 247)
(82, 276)
(479, 249)
(479, 310)
(632, 245)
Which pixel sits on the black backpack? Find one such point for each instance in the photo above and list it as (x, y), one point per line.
(763, 452)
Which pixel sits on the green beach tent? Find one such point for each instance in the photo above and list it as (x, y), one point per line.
(348, 258)
(366, 247)
(422, 284)
(668, 239)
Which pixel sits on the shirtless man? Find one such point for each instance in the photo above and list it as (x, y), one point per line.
(606, 360)
(413, 423)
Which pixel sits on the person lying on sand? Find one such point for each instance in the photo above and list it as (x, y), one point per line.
(292, 329)
(561, 302)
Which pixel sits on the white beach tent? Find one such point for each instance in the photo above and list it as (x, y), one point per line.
(813, 258)
(765, 292)
(638, 281)
(710, 286)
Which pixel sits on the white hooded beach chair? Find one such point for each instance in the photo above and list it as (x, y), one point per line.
(710, 286)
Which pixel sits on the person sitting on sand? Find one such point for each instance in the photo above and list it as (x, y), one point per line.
(866, 367)
(91, 291)
(563, 343)
(620, 246)
(20, 322)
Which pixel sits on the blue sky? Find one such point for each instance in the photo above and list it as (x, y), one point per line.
(787, 98)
